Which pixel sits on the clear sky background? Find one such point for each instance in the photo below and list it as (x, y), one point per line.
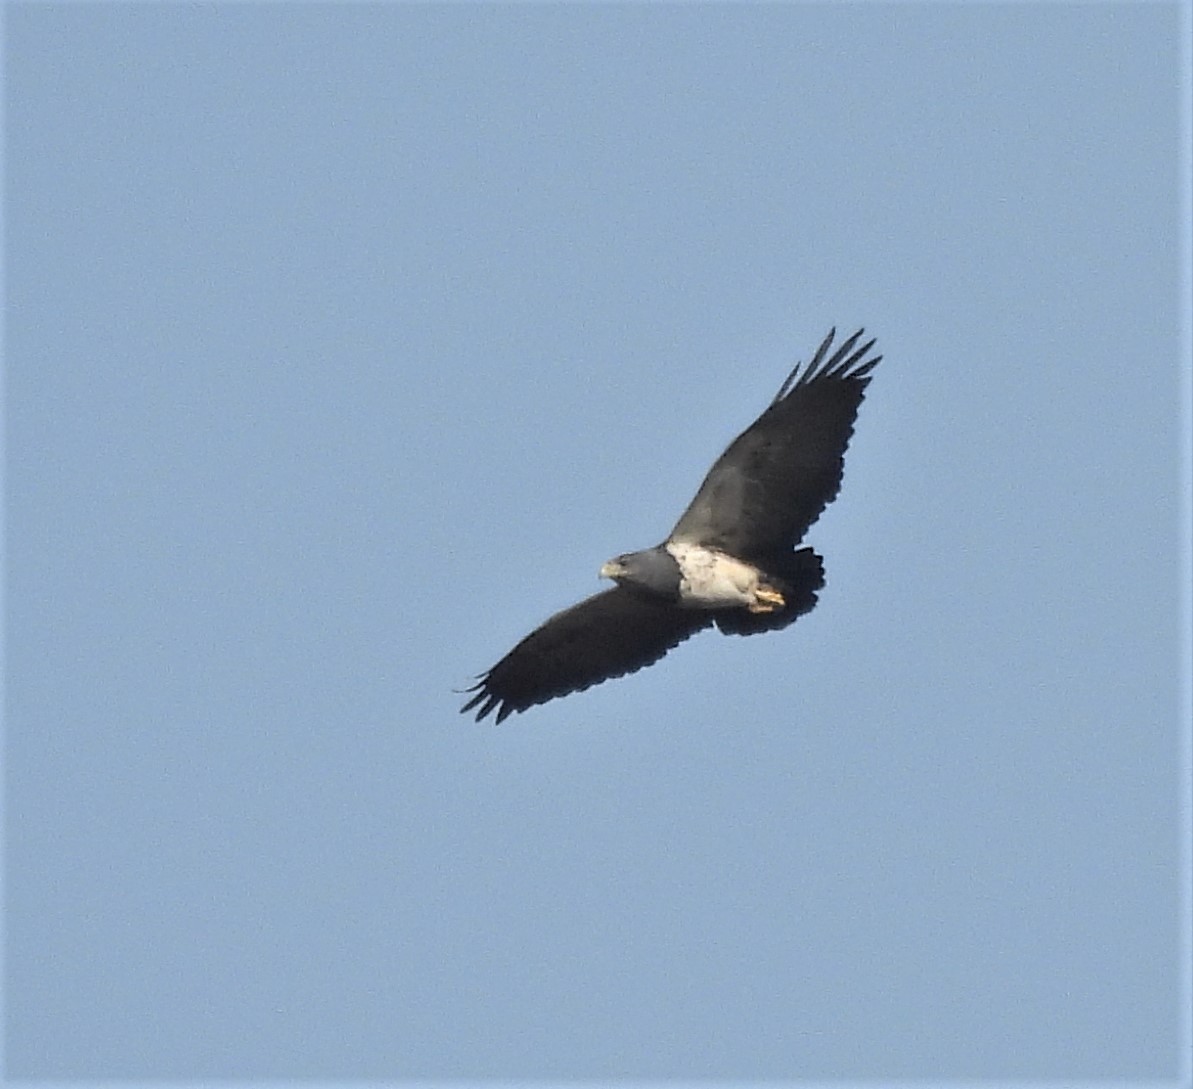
(345, 343)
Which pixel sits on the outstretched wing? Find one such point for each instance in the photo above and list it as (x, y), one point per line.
(606, 636)
(776, 477)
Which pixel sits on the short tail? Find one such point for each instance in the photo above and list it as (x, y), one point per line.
(798, 576)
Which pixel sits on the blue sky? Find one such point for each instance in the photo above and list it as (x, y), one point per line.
(344, 343)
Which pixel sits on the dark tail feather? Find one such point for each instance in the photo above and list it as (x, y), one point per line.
(799, 576)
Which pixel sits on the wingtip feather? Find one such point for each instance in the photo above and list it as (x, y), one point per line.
(484, 700)
(845, 362)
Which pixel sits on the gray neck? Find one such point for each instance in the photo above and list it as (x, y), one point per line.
(653, 571)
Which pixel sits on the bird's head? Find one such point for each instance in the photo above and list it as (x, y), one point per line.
(652, 572)
(614, 569)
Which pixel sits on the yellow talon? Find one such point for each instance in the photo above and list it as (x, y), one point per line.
(766, 600)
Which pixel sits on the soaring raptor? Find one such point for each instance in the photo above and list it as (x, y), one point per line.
(731, 559)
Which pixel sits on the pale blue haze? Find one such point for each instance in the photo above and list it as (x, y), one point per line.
(345, 342)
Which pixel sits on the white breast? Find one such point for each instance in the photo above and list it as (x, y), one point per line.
(712, 580)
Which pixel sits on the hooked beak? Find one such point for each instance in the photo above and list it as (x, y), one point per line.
(611, 570)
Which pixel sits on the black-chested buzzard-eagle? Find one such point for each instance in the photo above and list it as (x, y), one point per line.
(731, 559)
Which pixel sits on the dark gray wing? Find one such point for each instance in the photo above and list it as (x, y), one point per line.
(608, 635)
(776, 477)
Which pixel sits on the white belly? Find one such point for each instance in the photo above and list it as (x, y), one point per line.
(712, 580)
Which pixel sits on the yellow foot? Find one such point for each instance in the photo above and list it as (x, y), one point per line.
(766, 600)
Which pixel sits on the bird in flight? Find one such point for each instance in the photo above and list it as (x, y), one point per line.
(731, 560)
